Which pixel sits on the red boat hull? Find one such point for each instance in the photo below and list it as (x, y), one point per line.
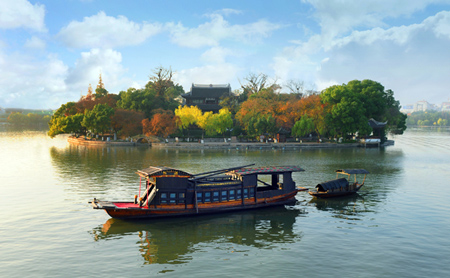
(129, 210)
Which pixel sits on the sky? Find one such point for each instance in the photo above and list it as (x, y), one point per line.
(50, 51)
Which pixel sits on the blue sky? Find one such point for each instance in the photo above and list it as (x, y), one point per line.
(50, 51)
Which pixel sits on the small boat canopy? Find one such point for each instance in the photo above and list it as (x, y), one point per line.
(352, 171)
(266, 170)
(332, 185)
(161, 171)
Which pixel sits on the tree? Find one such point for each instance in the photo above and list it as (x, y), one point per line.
(159, 93)
(69, 124)
(350, 106)
(162, 124)
(98, 120)
(127, 123)
(57, 123)
(100, 91)
(442, 122)
(187, 116)
(204, 122)
(17, 118)
(256, 83)
(303, 127)
(231, 101)
(222, 121)
(263, 124)
(161, 81)
(295, 87)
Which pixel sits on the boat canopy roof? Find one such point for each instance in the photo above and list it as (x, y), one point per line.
(266, 170)
(333, 184)
(158, 171)
(352, 171)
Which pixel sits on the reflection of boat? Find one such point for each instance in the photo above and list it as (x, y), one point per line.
(172, 241)
(340, 186)
(172, 192)
(337, 204)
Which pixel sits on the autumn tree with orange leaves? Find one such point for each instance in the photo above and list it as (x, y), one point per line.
(127, 123)
(162, 124)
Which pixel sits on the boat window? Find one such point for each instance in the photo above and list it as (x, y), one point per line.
(252, 192)
(238, 194)
(199, 197)
(224, 195)
(245, 193)
(215, 196)
(181, 198)
(163, 198)
(207, 197)
(173, 198)
(232, 196)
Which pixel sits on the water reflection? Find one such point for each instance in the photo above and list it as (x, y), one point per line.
(173, 241)
(348, 207)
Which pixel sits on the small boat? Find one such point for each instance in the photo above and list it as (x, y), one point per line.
(172, 192)
(340, 186)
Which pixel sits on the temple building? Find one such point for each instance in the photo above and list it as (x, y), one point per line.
(206, 97)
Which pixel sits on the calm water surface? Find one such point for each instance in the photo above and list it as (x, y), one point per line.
(397, 226)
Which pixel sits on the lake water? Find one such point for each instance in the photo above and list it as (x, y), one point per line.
(397, 226)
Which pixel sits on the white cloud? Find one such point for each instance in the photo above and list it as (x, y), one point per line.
(102, 31)
(228, 12)
(216, 55)
(27, 83)
(210, 74)
(35, 42)
(410, 60)
(339, 17)
(91, 64)
(21, 13)
(218, 29)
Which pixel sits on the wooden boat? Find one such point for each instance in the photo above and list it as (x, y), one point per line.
(172, 192)
(340, 186)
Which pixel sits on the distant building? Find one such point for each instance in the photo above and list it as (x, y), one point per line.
(206, 97)
(407, 109)
(445, 106)
(422, 105)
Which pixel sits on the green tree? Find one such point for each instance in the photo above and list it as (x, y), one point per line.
(346, 112)
(98, 120)
(351, 105)
(17, 118)
(205, 122)
(58, 122)
(100, 91)
(263, 124)
(442, 122)
(160, 92)
(303, 127)
(69, 124)
(222, 121)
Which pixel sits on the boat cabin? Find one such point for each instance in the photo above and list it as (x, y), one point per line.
(164, 185)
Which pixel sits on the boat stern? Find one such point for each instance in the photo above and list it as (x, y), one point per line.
(97, 204)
